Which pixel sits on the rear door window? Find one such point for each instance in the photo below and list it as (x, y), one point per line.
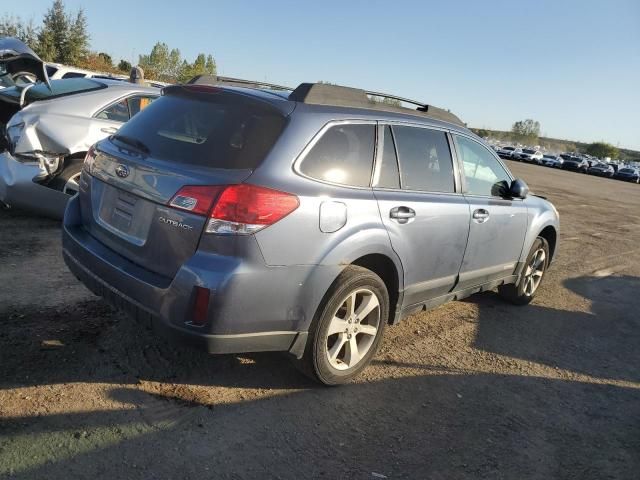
(425, 159)
(123, 110)
(217, 130)
(118, 112)
(343, 155)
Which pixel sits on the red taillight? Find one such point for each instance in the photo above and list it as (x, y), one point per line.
(236, 209)
(200, 305)
(253, 205)
(196, 198)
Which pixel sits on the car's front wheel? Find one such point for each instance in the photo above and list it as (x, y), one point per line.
(534, 270)
(347, 330)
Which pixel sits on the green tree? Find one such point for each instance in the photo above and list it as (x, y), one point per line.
(162, 64)
(76, 45)
(602, 150)
(24, 31)
(526, 130)
(63, 38)
(210, 65)
(53, 34)
(167, 65)
(204, 64)
(124, 66)
(106, 58)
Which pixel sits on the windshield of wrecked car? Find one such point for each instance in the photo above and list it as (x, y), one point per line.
(59, 88)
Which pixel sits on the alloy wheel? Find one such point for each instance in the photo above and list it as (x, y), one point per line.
(353, 329)
(534, 272)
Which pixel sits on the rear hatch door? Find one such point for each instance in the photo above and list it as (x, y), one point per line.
(185, 138)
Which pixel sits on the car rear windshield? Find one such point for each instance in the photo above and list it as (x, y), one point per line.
(526, 150)
(550, 156)
(59, 88)
(217, 130)
(627, 170)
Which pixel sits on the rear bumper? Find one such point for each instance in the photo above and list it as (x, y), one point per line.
(212, 343)
(252, 307)
(19, 188)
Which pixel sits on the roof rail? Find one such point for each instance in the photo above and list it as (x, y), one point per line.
(337, 95)
(234, 82)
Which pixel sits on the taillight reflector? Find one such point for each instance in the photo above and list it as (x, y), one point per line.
(200, 305)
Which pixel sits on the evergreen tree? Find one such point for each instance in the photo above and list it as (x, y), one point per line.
(54, 33)
(76, 45)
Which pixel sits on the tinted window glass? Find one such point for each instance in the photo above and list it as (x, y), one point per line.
(425, 159)
(73, 75)
(483, 173)
(387, 175)
(59, 88)
(51, 71)
(139, 103)
(118, 112)
(221, 130)
(344, 155)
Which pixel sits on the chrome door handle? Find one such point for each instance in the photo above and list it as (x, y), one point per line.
(402, 214)
(109, 130)
(481, 215)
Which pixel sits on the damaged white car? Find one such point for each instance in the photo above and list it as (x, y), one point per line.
(49, 126)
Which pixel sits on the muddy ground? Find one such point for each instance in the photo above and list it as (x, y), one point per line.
(473, 389)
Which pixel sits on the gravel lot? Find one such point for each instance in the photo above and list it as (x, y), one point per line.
(473, 389)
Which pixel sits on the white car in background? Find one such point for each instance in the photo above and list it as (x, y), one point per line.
(551, 160)
(56, 71)
(506, 152)
(529, 155)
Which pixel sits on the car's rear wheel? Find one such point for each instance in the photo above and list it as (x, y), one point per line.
(347, 330)
(532, 275)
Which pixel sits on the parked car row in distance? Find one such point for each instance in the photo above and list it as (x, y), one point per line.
(571, 161)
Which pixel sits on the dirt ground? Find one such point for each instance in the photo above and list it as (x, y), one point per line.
(473, 389)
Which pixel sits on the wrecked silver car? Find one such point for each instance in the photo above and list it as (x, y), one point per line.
(49, 126)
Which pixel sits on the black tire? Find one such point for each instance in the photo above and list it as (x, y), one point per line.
(515, 293)
(71, 170)
(315, 362)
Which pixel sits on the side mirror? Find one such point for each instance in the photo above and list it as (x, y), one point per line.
(518, 189)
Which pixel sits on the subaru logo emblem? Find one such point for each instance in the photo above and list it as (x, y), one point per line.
(122, 171)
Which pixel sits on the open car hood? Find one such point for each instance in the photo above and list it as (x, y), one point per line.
(16, 57)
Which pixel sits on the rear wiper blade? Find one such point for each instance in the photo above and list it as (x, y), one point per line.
(133, 142)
